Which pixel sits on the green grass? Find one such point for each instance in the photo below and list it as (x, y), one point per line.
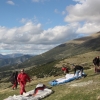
(65, 91)
(85, 92)
(91, 91)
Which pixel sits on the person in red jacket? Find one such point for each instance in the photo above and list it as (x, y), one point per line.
(22, 79)
(65, 69)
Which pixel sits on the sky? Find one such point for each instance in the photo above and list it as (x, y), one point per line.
(36, 26)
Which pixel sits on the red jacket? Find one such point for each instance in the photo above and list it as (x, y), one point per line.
(64, 68)
(23, 77)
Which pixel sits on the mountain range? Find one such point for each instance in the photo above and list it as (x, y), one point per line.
(10, 56)
(63, 51)
(11, 59)
(68, 49)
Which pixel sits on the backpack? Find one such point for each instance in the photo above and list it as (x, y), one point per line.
(94, 60)
(12, 78)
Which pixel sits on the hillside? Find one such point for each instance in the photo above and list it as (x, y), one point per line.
(84, 89)
(15, 60)
(65, 50)
(55, 55)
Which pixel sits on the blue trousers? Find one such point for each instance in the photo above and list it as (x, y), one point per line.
(77, 73)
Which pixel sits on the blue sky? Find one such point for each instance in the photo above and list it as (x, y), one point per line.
(48, 12)
(36, 26)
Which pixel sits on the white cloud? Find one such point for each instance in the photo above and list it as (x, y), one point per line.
(89, 28)
(84, 11)
(87, 13)
(10, 2)
(83, 18)
(32, 38)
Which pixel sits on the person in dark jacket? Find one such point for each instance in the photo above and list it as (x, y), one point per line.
(16, 82)
(13, 80)
(78, 69)
(96, 63)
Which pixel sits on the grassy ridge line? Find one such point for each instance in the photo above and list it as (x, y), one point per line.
(83, 59)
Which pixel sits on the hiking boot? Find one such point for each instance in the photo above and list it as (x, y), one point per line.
(77, 78)
(85, 76)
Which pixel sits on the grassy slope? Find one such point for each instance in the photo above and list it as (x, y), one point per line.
(65, 91)
(83, 59)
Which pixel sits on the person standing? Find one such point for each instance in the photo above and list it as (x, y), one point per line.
(96, 63)
(12, 79)
(16, 82)
(22, 79)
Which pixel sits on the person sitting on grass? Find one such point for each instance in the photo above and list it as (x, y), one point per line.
(64, 69)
